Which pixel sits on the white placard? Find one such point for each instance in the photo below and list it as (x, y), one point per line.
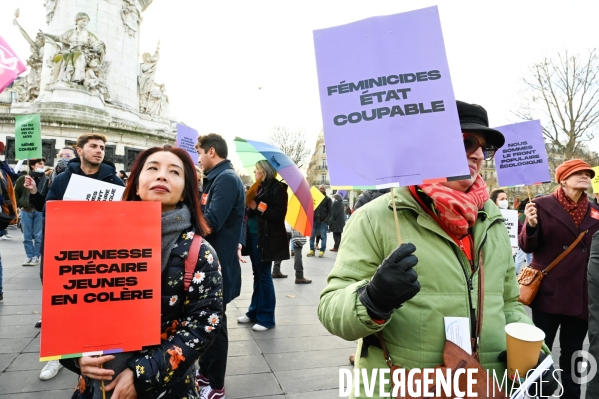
(521, 392)
(510, 217)
(85, 189)
(457, 330)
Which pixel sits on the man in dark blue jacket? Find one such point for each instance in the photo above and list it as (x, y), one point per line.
(223, 205)
(91, 149)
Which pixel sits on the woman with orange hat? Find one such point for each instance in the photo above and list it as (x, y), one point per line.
(553, 223)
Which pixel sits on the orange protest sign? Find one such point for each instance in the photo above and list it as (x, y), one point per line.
(102, 271)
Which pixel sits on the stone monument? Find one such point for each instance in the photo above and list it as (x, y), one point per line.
(85, 76)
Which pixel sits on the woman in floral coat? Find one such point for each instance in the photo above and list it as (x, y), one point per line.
(190, 320)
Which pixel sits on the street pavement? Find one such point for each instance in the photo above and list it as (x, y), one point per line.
(298, 359)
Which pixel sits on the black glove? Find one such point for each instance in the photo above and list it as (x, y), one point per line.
(549, 383)
(394, 283)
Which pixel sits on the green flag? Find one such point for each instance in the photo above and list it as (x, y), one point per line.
(28, 137)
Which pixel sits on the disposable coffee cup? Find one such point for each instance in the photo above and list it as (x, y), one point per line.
(523, 349)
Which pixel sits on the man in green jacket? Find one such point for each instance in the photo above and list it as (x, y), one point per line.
(406, 292)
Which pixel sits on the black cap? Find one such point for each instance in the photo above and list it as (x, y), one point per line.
(474, 118)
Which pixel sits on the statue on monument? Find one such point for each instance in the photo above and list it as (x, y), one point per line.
(131, 17)
(50, 7)
(31, 82)
(76, 48)
(146, 78)
(95, 78)
(158, 105)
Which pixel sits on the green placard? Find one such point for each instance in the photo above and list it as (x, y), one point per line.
(28, 137)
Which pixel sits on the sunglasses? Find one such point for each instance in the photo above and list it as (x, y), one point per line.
(472, 144)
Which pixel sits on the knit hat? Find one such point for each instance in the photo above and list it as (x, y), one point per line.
(1, 146)
(567, 168)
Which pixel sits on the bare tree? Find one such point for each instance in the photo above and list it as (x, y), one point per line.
(566, 91)
(292, 143)
(242, 173)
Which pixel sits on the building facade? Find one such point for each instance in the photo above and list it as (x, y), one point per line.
(318, 170)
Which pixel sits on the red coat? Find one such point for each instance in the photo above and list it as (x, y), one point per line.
(564, 290)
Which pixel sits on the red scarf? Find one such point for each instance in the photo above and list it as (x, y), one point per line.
(456, 210)
(577, 210)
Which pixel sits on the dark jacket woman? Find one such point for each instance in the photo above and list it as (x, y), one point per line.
(189, 323)
(190, 319)
(337, 221)
(564, 289)
(272, 235)
(266, 241)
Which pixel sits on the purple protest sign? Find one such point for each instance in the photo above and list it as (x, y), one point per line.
(186, 140)
(389, 112)
(523, 158)
(342, 193)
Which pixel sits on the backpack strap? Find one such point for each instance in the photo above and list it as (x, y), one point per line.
(192, 260)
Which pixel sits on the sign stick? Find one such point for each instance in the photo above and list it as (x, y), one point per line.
(528, 190)
(395, 216)
(103, 391)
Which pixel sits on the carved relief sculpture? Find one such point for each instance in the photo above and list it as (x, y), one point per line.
(79, 56)
(95, 78)
(31, 82)
(146, 77)
(50, 7)
(158, 105)
(76, 48)
(131, 17)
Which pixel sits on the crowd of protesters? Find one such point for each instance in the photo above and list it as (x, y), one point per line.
(406, 258)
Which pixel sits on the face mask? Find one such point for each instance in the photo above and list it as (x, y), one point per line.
(502, 204)
(39, 170)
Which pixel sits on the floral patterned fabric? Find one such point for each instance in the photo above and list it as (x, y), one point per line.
(190, 322)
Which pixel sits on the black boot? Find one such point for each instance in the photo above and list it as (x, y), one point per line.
(300, 279)
(276, 271)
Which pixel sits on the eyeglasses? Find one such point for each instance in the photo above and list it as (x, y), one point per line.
(471, 144)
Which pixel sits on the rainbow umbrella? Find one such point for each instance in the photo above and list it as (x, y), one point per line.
(300, 208)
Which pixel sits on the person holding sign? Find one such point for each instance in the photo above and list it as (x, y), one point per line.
(91, 149)
(453, 233)
(190, 318)
(31, 218)
(553, 224)
(91, 163)
(266, 241)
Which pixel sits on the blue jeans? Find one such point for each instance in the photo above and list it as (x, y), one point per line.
(32, 231)
(522, 257)
(319, 229)
(262, 307)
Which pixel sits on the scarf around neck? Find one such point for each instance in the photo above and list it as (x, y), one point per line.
(457, 210)
(173, 223)
(577, 210)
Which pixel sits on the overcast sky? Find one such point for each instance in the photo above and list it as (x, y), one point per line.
(239, 68)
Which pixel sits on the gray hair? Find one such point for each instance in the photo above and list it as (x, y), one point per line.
(266, 167)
